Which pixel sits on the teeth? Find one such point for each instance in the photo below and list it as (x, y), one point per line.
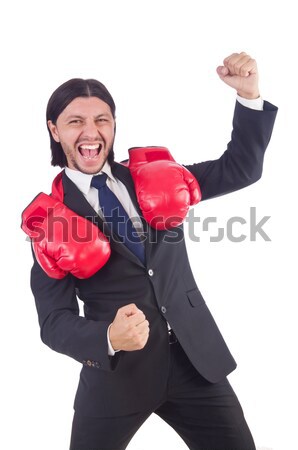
(90, 147)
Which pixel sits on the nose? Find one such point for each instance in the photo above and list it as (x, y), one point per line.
(90, 129)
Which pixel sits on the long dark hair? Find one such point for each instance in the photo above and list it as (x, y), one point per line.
(62, 96)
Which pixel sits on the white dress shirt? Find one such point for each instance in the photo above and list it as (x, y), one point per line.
(83, 183)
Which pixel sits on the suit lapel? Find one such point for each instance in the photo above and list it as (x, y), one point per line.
(75, 200)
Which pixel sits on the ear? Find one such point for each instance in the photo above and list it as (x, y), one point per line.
(53, 130)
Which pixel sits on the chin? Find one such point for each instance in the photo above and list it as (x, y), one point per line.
(88, 169)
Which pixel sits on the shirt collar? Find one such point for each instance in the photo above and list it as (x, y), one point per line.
(83, 180)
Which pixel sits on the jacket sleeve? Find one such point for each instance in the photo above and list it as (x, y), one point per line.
(62, 328)
(242, 163)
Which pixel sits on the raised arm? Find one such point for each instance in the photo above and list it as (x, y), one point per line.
(242, 162)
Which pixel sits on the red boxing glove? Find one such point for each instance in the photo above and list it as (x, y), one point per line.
(164, 188)
(63, 241)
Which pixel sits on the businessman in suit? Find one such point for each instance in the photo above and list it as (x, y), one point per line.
(147, 341)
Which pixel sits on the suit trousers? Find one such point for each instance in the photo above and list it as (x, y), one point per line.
(207, 416)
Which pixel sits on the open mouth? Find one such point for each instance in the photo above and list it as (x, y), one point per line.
(90, 151)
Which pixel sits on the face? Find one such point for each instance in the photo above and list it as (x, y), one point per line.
(85, 130)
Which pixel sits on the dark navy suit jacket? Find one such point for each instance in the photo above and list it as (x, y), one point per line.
(165, 290)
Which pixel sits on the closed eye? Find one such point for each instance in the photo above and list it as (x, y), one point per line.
(102, 119)
(75, 121)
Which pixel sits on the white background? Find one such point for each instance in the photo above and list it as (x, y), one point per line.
(158, 59)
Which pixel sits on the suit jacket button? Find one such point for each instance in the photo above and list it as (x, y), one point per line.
(150, 272)
(163, 309)
(89, 363)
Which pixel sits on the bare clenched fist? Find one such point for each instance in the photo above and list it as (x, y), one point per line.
(240, 72)
(129, 330)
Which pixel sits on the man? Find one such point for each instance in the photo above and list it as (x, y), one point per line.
(148, 342)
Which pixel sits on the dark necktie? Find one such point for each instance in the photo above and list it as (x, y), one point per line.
(117, 218)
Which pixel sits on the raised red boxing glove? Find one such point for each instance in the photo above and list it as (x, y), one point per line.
(164, 188)
(64, 242)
